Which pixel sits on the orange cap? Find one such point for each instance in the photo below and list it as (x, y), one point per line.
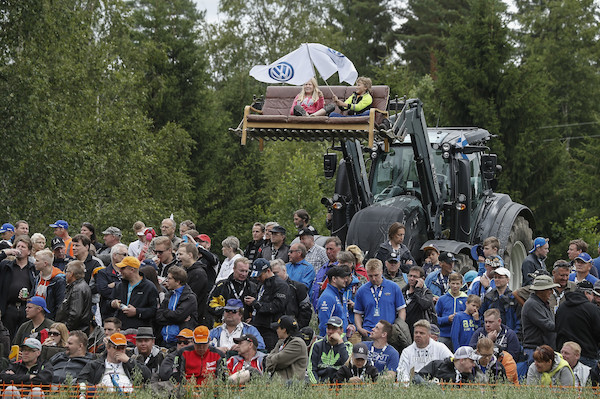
(118, 339)
(186, 333)
(201, 335)
(129, 261)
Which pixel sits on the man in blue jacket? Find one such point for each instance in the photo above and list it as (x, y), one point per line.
(332, 301)
(298, 269)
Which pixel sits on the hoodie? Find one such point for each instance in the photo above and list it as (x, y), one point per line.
(446, 306)
(578, 319)
(53, 292)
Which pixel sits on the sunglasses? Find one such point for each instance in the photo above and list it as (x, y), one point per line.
(159, 252)
(230, 311)
(53, 333)
(184, 341)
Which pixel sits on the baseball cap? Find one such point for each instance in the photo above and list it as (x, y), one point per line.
(118, 339)
(494, 261)
(338, 271)
(60, 223)
(307, 334)
(129, 261)
(393, 257)
(335, 321)
(435, 330)
(466, 352)
(258, 266)
(57, 242)
(305, 232)
(7, 227)
(247, 337)
(539, 242)
(112, 230)
(431, 246)
(234, 304)
(287, 322)
(186, 333)
(470, 276)
(360, 351)
(278, 229)
(597, 288)
(585, 286)
(476, 252)
(502, 271)
(538, 272)
(585, 257)
(447, 257)
(39, 301)
(201, 335)
(204, 238)
(32, 343)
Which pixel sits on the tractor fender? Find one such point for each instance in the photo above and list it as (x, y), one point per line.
(369, 226)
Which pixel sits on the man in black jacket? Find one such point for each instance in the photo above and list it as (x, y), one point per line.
(419, 299)
(535, 260)
(108, 278)
(115, 370)
(179, 308)
(76, 308)
(81, 251)
(253, 249)
(299, 304)
(236, 286)
(136, 298)
(28, 370)
(197, 280)
(73, 360)
(270, 302)
(15, 275)
(578, 319)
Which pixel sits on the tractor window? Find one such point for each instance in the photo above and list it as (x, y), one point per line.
(394, 173)
(476, 182)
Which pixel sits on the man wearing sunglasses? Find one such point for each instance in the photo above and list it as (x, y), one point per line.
(28, 370)
(116, 370)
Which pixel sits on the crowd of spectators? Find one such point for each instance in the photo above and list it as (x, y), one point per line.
(166, 308)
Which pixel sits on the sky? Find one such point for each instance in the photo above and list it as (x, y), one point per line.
(211, 7)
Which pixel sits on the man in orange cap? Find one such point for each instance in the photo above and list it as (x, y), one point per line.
(136, 298)
(115, 370)
(200, 361)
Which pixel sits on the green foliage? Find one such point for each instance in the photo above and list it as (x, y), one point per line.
(363, 31)
(427, 25)
(582, 224)
(81, 149)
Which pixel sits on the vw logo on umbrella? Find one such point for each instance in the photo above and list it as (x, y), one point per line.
(281, 72)
(332, 51)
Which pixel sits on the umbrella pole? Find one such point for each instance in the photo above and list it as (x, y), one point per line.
(313, 69)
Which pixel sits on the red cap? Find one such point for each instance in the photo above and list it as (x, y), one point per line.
(203, 237)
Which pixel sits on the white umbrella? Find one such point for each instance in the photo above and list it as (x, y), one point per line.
(297, 67)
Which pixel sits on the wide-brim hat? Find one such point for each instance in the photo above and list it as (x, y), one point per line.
(542, 283)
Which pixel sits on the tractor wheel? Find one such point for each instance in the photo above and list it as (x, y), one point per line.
(520, 240)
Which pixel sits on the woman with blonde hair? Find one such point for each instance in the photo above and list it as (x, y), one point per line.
(57, 335)
(38, 242)
(359, 269)
(309, 101)
(231, 251)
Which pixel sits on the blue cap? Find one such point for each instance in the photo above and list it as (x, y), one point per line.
(476, 252)
(7, 227)
(470, 276)
(39, 301)
(258, 266)
(234, 304)
(60, 223)
(584, 256)
(539, 242)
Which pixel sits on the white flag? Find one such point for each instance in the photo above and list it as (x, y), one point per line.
(343, 66)
(296, 68)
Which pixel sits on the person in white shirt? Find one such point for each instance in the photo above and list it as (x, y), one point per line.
(231, 250)
(135, 248)
(421, 352)
(571, 352)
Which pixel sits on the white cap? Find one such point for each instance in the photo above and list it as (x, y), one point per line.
(502, 271)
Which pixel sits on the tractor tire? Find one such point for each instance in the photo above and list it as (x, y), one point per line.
(464, 263)
(520, 240)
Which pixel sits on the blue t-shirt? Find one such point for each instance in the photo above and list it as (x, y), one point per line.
(589, 278)
(463, 327)
(384, 359)
(382, 303)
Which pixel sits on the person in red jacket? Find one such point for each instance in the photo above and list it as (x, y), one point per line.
(199, 361)
(248, 362)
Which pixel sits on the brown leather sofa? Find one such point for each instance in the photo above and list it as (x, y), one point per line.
(275, 122)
